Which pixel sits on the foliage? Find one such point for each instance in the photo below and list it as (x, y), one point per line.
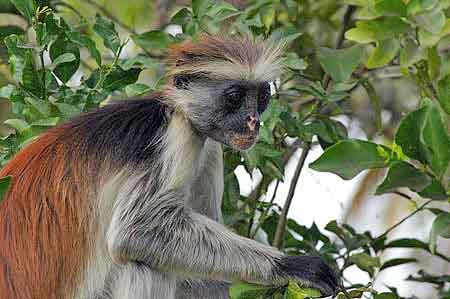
(53, 79)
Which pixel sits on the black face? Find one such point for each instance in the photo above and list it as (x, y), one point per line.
(232, 114)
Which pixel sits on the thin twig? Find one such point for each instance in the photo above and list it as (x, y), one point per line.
(404, 219)
(281, 226)
(262, 218)
(346, 22)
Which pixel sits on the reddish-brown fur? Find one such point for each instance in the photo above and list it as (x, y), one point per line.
(43, 221)
(210, 48)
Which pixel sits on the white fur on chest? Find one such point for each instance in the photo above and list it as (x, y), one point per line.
(184, 156)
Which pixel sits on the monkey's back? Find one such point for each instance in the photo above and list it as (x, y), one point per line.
(42, 225)
(47, 216)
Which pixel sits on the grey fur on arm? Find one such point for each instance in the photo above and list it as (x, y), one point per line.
(170, 237)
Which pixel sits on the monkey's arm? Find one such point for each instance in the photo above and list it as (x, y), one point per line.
(166, 236)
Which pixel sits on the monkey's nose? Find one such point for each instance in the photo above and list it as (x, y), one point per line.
(253, 122)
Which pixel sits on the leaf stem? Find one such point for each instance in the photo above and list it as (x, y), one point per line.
(44, 88)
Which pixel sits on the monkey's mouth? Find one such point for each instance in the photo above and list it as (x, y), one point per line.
(243, 141)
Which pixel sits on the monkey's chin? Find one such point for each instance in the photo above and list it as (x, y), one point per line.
(243, 142)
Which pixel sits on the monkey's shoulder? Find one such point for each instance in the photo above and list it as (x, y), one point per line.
(126, 130)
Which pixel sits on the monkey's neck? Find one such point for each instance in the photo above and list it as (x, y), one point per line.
(182, 149)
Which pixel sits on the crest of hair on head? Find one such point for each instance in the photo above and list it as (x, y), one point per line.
(226, 57)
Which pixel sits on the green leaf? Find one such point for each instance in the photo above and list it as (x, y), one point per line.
(88, 43)
(402, 174)
(349, 157)
(436, 141)
(361, 3)
(139, 61)
(407, 243)
(42, 36)
(46, 122)
(222, 10)
(376, 30)
(119, 78)
(444, 93)
(16, 55)
(432, 21)
(294, 291)
(66, 57)
(434, 63)
(67, 110)
(385, 296)
(409, 134)
(422, 136)
(434, 191)
(18, 124)
(429, 39)
(65, 70)
(199, 7)
(182, 17)
(384, 53)
(31, 78)
(440, 228)
(243, 290)
(267, 13)
(43, 107)
(6, 91)
(136, 89)
(417, 6)
(294, 62)
(26, 7)
(4, 185)
(9, 30)
(328, 131)
(397, 262)
(390, 7)
(107, 31)
(155, 39)
(340, 64)
(410, 53)
(365, 262)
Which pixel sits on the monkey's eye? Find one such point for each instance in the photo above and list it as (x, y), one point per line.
(234, 98)
(264, 97)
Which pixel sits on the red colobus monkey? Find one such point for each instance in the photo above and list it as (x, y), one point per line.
(123, 202)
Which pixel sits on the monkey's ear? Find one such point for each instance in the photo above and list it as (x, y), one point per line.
(181, 81)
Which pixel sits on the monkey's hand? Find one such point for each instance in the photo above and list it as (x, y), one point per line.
(310, 271)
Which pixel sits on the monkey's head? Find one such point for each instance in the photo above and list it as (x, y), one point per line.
(222, 85)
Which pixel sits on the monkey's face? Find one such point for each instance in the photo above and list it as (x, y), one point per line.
(229, 111)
